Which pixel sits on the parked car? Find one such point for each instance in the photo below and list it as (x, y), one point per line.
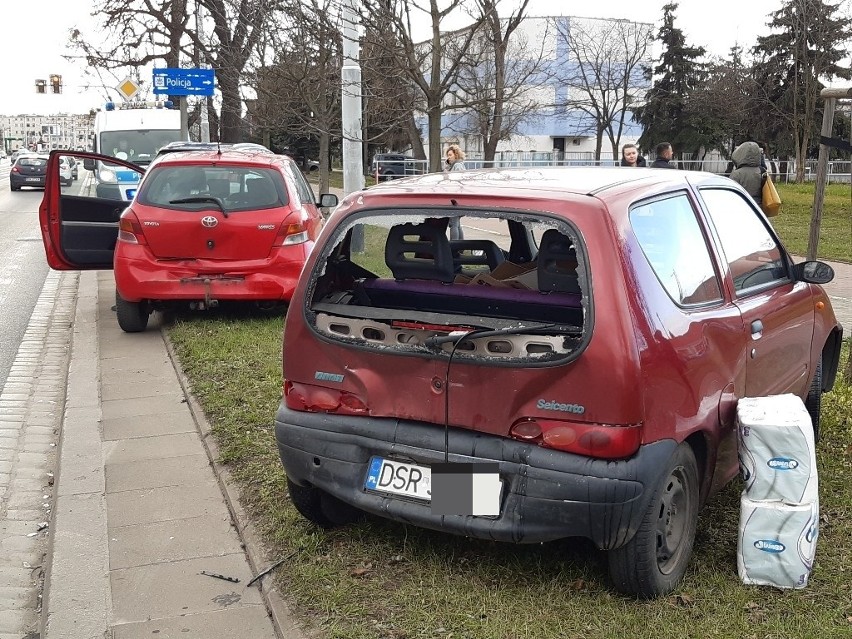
(203, 227)
(66, 173)
(387, 166)
(585, 345)
(27, 170)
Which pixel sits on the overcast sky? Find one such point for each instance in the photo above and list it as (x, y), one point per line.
(32, 45)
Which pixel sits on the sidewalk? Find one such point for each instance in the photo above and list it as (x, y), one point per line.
(140, 512)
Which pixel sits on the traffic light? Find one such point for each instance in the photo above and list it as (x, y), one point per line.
(41, 86)
(56, 83)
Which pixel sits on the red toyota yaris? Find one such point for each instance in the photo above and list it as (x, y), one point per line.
(570, 367)
(204, 226)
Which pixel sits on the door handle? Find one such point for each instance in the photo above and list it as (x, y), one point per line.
(756, 329)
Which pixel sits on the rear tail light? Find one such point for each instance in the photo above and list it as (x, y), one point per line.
(15, 169)
(289, 234)
(318, 399)
(130, 230)
(603, 441)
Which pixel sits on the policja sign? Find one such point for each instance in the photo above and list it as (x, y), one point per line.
(184, 81)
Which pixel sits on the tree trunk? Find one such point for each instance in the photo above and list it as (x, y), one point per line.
(417, 149)
(435, 155)
(231, 123)
(324, 144)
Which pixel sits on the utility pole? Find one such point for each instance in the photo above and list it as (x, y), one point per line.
(350, 76)
(205, 125)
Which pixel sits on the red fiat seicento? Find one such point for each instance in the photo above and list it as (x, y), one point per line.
(585, 337)
(204, 226)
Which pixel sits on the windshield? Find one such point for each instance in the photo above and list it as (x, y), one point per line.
(139, 147)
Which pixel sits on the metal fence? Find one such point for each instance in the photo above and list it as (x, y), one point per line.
(839, 171)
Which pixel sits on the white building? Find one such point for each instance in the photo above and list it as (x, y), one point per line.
(46, 132)
(573, 70)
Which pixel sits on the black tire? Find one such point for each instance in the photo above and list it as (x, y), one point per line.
(321, 508)
(654, 561)
(132, 316)
(813, 402)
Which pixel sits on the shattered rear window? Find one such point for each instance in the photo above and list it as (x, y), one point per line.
(497, 286)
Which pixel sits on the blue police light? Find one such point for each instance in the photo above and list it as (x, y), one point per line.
(110, 106)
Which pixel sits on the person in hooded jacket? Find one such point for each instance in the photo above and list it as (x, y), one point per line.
(748, 172)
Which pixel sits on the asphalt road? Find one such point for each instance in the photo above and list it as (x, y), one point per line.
(22, 265)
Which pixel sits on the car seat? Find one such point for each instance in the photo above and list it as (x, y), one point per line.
(557, 264)
(261, 192)
(219, 187)
(419, 251)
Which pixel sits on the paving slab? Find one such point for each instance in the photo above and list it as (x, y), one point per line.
(187, 501)
(155, 423)
(172, 540)
(135, 449)
(221, 624)
(178, 588)
(155, 473)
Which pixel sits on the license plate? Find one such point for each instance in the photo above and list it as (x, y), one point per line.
(452, 489)
(33, 180)
(398, 478)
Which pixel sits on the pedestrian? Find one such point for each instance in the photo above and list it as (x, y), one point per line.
(664, 155)
(749, 173)
(455, 158)
(630, 156)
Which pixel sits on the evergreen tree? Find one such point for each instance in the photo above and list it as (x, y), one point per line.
(665, 116)
(808, 41)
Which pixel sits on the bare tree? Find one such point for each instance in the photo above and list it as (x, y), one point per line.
(138, 33)
(432, 65)
(299, 92)
(494, 90)
(133, 35)
(603, 71)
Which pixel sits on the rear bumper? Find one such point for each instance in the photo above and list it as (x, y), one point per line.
(26, 180)
(154, 280)
(547, 494)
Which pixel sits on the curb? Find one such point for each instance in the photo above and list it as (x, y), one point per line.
(279, 611)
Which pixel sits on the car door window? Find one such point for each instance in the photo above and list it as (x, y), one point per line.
(672, 241)
(304, 190)
(754, 257)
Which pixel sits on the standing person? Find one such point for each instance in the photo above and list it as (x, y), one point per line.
(455, 162)
(748, 158)
(630, 156)
(455, 158)
(664, 155)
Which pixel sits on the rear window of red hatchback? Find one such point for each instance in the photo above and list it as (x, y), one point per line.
(236, 188)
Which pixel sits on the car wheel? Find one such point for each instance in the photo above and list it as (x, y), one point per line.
(132, 316)
(654, 561)
(321, 508)
(813, 402)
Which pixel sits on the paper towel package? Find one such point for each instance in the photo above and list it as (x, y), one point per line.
(777, 542)
(776, 449)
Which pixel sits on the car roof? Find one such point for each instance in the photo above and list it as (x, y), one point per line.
(227, 155)
(182, 146)
(547, 180)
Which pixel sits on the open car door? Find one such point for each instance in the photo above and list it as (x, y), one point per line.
(79, 218)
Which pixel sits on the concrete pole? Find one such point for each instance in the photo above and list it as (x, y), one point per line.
(205, 125)
(350, 76)
(830, 96)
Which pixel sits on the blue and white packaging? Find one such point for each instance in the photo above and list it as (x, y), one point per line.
(776, 449)
(777, 542)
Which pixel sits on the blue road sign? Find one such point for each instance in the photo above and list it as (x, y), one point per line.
(184, 81)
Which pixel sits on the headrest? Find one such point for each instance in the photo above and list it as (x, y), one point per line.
(419, 251)
(557, 263)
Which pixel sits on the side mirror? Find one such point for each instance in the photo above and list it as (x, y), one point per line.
(328, 200)
(814, 272)
(88, 164)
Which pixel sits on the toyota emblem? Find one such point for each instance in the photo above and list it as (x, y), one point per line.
(208, 221)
